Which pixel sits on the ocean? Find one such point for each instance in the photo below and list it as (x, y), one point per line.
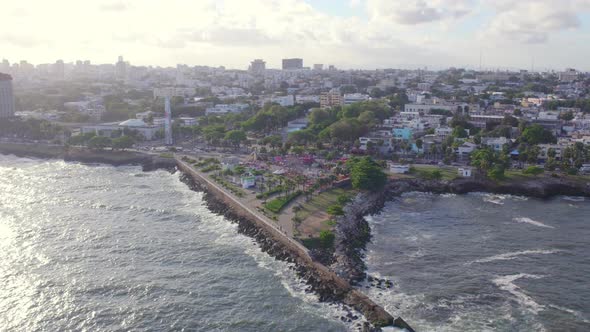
(101, 248)
(483, 262)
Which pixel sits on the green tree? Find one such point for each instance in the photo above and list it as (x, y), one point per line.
(536, 134)
(99, 142)
(327, 239)
(236, 137)
(366, 174)
(123, 142)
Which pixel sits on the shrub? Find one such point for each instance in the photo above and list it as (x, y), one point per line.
(327, 239)
(335, 210)
(276, 205)
(533, 170)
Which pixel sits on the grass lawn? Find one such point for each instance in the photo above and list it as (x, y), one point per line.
(319, 203)
(277, 204)
(447, 172)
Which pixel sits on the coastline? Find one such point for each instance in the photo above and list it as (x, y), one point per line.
(353, 232)
(148, 162)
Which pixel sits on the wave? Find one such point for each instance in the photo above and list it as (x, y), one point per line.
(514, 255)
(574, 198)
(506, 283)
(530, 221)
(495, 199)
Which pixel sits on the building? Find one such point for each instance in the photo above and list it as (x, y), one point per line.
(568, 76)
(464, 172)
(221, 109)
(121, 69)
(351, 98)
(6, 96)
(292, 64)
(399, 169)
(331, 99)
(284, 101)
(318, 67)
(149, 132)
(257, 67)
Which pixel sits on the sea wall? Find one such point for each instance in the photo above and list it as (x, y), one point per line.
(323, 281)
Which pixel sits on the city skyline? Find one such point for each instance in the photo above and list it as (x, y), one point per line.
(357, 34)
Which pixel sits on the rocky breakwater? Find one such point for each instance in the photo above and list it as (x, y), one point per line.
(352, 235)
(322, 281)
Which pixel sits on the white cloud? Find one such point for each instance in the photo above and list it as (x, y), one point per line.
(533, 21)
(412, 12)
(232, 32)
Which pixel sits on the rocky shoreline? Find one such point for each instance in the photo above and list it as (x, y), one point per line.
(115, 158)
(353, 231)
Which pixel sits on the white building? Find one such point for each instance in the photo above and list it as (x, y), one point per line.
(108, 129)
(399, 169)
(352, 98)
(466, 149)
(221, 109)
(6, 96)
(465, 172)
(283, 100)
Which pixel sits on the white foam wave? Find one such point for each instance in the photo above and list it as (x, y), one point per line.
(495, 199)
(524, 220)
(574, 198)
(506, 283)
(574, 313)
(514, 255)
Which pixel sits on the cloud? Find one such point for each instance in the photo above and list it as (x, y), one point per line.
(22, 40)
(118, 6)
(533, 21)
(412, 12)
(227, 36)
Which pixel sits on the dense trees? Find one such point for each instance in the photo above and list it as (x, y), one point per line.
(536, 134)
(366, 174)
(236, 137)
(31, 129)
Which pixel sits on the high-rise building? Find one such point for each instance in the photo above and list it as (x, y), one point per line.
(331, 99)
(59, 69)
(318, 66)
(258, 66)
(6, 96)
(292, 64)
(5, 66)
(121, 69)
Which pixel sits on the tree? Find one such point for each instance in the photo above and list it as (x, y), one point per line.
(459, 132)
(366, 174)
(99, 142)
(483, 159)
(236, 137)
(335, 210)
(567, 116)
(536, 134)
(123, 142)
(326, 239)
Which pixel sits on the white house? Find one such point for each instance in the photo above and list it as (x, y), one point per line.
(248, 181)
(466, 149)
(399, 169)
(465, 172)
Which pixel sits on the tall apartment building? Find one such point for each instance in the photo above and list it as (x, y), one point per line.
(292, 64)
(121, 69)
(6, 96)
(331, 99)
(258, 66)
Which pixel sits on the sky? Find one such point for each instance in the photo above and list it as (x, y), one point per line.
(350, 34)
